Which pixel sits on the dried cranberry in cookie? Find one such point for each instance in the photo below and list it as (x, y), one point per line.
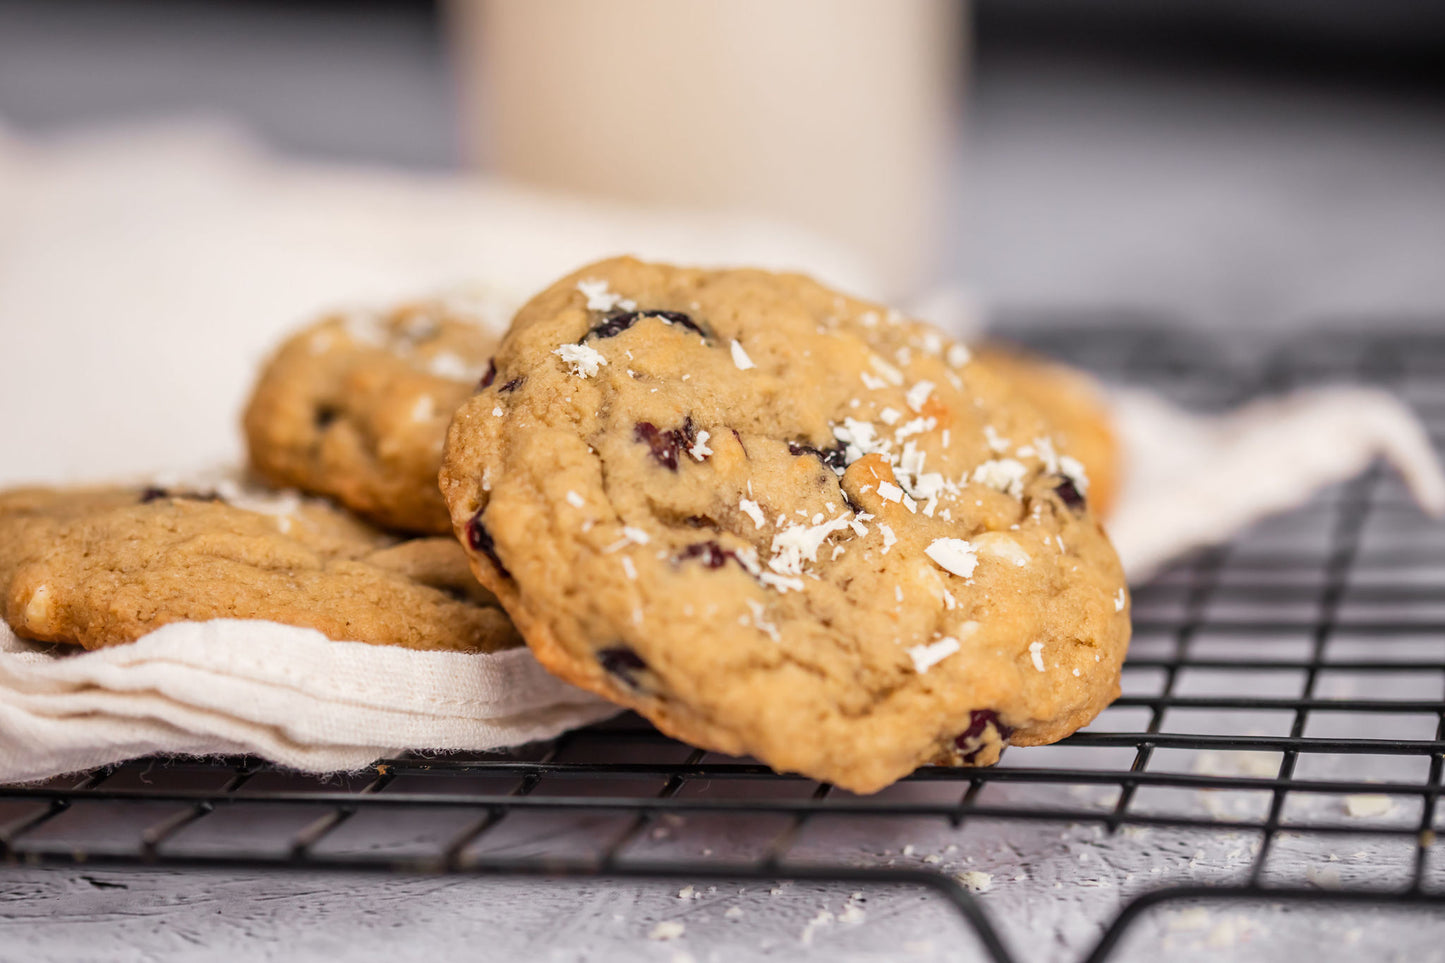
(801, 527)
(984, 739)
(619, 321)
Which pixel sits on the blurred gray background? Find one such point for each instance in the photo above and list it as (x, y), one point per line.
(1229, 163)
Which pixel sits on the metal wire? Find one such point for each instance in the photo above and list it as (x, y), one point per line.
(1346, 603)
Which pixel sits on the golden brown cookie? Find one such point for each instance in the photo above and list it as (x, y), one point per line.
(783, 522)
(356, 406)
(103, 566)
(1074, 403)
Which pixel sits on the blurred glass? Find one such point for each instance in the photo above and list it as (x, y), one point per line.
(838, 115)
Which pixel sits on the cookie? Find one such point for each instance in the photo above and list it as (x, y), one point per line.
(1074, 404)
(356, 406)
(783, 522)
(98, 567)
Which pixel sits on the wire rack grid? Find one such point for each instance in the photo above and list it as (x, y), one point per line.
(1287, 688)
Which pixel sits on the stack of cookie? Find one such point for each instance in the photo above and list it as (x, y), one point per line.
(105, 566)
(773, 519)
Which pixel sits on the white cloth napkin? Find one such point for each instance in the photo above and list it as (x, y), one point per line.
(288, 694)
(1192, 480)
(143, 274)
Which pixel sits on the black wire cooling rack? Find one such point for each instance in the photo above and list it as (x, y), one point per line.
(1308, 654)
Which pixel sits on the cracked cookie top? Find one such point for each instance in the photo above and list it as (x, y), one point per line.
(784, 522)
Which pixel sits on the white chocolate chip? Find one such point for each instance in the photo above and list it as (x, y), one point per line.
(1002, 474)
(754, 511)
(1001, 546)
(918, 395)
(583, 359)
(953, 555)
(890, 374)
(39, 608)
(927, 656)
(699, 449)
(599, 298)
(740, 357)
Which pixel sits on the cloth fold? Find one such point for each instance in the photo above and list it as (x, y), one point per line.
(1192, 480)
(290, 695)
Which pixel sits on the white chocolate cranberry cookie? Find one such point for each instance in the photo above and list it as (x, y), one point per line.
(355, 407)
(783, 522)
(104, 566)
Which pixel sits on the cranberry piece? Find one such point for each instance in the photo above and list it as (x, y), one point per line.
(665, 445)
(325, 415)
(490, 376)
(512, 385)
(711, 554)
(616, 323)
(835, 456)
(1070, 495)
(480, 540)
(622, 662)
(970, 741)
(154, 494)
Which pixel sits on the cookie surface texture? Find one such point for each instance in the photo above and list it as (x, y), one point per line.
(1075, 406)
(785, 523)
(98, 567)
(355, 407)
